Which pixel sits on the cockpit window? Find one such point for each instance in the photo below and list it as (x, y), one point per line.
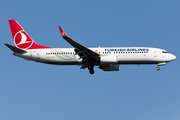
(164, 52)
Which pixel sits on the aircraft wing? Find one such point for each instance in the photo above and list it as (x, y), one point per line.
(82, 51)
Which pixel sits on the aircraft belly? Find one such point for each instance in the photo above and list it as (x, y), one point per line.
(132, 58)
(137, 59)
(60, 60)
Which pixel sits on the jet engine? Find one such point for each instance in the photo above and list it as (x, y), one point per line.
(110, 68)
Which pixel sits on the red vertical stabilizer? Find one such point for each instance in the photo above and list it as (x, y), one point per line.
(21, 39)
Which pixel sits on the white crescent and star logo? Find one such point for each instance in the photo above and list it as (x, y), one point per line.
(22, 40)
(63, 34)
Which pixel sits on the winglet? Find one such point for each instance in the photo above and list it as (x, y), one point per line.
(62, 32)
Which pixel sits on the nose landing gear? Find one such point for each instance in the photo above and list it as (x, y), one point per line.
(158, 68)
(160, 64)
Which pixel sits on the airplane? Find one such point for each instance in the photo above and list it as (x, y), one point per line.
(107, 58)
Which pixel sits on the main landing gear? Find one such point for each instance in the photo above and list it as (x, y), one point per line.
(91, 68)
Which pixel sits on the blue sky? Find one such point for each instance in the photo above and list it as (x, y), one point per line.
(30, 90)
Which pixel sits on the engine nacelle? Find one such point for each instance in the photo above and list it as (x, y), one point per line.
(108, 59)
(110, 68)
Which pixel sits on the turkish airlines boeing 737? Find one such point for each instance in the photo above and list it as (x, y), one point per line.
(107, 58)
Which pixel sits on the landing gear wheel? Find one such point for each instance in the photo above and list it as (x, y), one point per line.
(91, 71)
(158, 68)
(91, 68)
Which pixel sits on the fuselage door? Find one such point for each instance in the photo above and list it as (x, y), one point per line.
(155, 53)
(38, 55)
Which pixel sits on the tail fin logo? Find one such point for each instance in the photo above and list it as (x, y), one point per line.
(22, 40)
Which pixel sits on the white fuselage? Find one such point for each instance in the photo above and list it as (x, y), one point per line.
(114, 55)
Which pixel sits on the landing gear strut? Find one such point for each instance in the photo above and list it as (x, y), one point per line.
(91, 68)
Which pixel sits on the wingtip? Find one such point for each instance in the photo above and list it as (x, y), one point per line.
(62, 32)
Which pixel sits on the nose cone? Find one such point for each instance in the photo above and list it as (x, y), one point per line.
(173, 57)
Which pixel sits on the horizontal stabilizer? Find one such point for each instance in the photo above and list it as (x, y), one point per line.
(15, 49)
